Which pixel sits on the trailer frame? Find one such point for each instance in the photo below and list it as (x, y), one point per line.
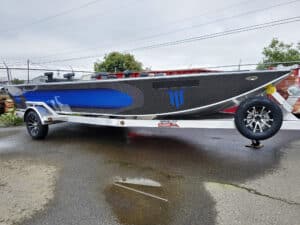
(48, 116)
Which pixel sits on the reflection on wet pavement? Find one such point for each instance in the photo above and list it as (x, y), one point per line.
(138, 203)
(141, 181)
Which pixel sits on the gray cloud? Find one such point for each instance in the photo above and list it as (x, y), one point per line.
(117, 25)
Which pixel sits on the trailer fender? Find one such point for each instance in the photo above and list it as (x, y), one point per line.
(39, 110)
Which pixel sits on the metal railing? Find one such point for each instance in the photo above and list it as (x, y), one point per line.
(25, 74)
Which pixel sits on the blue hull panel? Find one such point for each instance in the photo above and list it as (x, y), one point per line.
(81, 98)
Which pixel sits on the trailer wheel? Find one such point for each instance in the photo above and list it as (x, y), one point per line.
(258, 118)
(34, 126)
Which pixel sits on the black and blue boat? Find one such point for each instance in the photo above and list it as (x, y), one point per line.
(177, 96)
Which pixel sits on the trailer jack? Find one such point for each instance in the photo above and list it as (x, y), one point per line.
(255, 144)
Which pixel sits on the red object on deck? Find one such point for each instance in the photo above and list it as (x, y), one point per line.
(163, 72)
(182, 71)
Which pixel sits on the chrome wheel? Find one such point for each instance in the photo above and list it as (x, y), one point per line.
(33, 124)
(258, 119)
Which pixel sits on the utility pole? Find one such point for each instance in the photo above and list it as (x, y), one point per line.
(8, 72)
(240, 62)
(28, 70)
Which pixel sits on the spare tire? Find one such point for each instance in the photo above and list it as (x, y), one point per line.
(258, 118)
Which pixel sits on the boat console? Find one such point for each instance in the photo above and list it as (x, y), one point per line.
(69, 76)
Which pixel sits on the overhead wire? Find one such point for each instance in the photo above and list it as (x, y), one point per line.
(195, 38)
(173, 22)
(82, 6)
(205, 13)
(193, 26)
(46, 69)
(51, 17)
(219, 20)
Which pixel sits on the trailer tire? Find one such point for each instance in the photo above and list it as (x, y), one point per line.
(258, 118)
(34, 126)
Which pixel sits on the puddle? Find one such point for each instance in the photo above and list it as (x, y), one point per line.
(138, 201)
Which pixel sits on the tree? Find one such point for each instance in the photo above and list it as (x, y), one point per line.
(118, 62)
(17, 81)
(277, 51)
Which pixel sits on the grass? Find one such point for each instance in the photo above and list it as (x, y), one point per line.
(10, 119)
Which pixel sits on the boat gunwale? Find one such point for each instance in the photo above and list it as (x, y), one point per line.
(150, 78)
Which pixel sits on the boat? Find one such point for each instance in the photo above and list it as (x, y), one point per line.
(196, 100)
(148, 97)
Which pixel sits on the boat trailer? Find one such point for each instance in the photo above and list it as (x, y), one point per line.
(47, 116)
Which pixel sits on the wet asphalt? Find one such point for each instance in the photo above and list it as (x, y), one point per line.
(89, 158)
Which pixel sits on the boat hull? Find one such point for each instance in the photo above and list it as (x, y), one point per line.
(153, 97)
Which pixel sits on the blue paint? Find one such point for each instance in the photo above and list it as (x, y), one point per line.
(81, 98)
(17, 99)
(176, 98)
(171, 96)
(181, 99)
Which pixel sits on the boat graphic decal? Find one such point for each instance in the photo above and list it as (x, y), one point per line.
(102, 98)
(176, 98)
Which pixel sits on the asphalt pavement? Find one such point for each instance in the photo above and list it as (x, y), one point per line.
(162, 176)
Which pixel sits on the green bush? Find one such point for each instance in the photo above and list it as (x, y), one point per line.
(10, 119)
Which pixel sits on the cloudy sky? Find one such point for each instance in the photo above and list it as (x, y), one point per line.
(49, 33)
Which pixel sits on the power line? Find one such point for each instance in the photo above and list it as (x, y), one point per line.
(221, 34)
(51, 17)
(103, 13)
(219, 20)
(174, 22)
(198, 25)
(196, 38)
(209, 12)
(46, 69)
